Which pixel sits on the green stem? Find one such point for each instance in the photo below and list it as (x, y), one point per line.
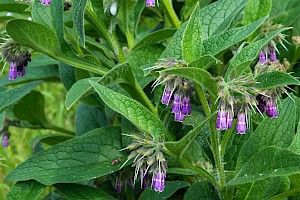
(203, 100)
(130, 39)
(147, 102)
(59, 129)
(110, 36)
(217, 155)
(171, 13)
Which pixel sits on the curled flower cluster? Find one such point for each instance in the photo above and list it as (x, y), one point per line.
(148, 159)
(17, 59)
(176, 88)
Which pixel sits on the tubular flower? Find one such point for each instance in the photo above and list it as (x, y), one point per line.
(5, 142)
(45, 2)
(177, 89)
(150, 3)
(148, 160)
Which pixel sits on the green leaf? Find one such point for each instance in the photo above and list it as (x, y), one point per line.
(57, 12)
(142, 56)
(278, 132)
(16, 7)
(295, 145)
(181, 171)
(170, 188)
(119, 74)
(262, 189)
(47, 73)
(201, 190)
(217, 16)
(33, 113)
(67, 75)
(88, 118)
(275, 79)
(25, 190)
(204, 62)
(53, 139)
(78, 18)
(199, 76)
(82, 192)
(135, 112)
(79, 159)
(41, 14)
(269, 162)
(98, 9)
(173, 50)
(192, 37)
(156, 37)
(34, 35)
(248, 54)
(256, 9)
(285, 12)
(10, 96)
(222, 41)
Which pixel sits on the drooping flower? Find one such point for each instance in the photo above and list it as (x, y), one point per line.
(271, 108)
(273, 57)
(12, 75)
(158, 181)
(221, 119)
(241, 125)
(150, 3)
(262, 57)
(186, 107)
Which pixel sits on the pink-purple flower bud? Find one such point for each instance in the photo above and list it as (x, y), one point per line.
(229, 119)
(12, 75)
(241, 125)
(186, 107)
(5, 141)
(262, 57)
(166, 97)
(150, 3)
(176, 106)
(273, 57)
(45, 2)
(271, 109)
(221, 123)
(158, 181)
(179, 117)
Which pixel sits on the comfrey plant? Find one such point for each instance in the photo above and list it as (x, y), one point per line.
(182, 100)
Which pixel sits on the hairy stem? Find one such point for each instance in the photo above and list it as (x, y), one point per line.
(171, 13)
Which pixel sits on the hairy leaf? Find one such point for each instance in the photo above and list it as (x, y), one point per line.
(78, 18)
(256, 9)
(25, 190)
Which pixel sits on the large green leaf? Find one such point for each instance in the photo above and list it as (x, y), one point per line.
(10, 96)
(256, 9)
(192, 37)
(37, 36)
(279, 132)
(119, 74)
(258, 190)
(156, 37)
(217, 16)
(135, 112)
(275, 79)
(57, 12)
(78, 18)
(201, 190)
(41, 14)
(25, 190)
(173, 50)
(248, 54)
(199, 76)
(269, 162)
(285, 12)
(34, 113)
(82, 192)
(295, 145)
(222, 41)
(88, 118)
(170, 188)
(79, 159)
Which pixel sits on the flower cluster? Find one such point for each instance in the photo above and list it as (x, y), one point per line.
(148, 160)
(18, 60)
(176, 88)
(238, 97)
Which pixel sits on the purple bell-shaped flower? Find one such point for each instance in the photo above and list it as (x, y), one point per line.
(12, 75)
(271, 109)
(241, 125)
(158, 181)
(150, 3)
